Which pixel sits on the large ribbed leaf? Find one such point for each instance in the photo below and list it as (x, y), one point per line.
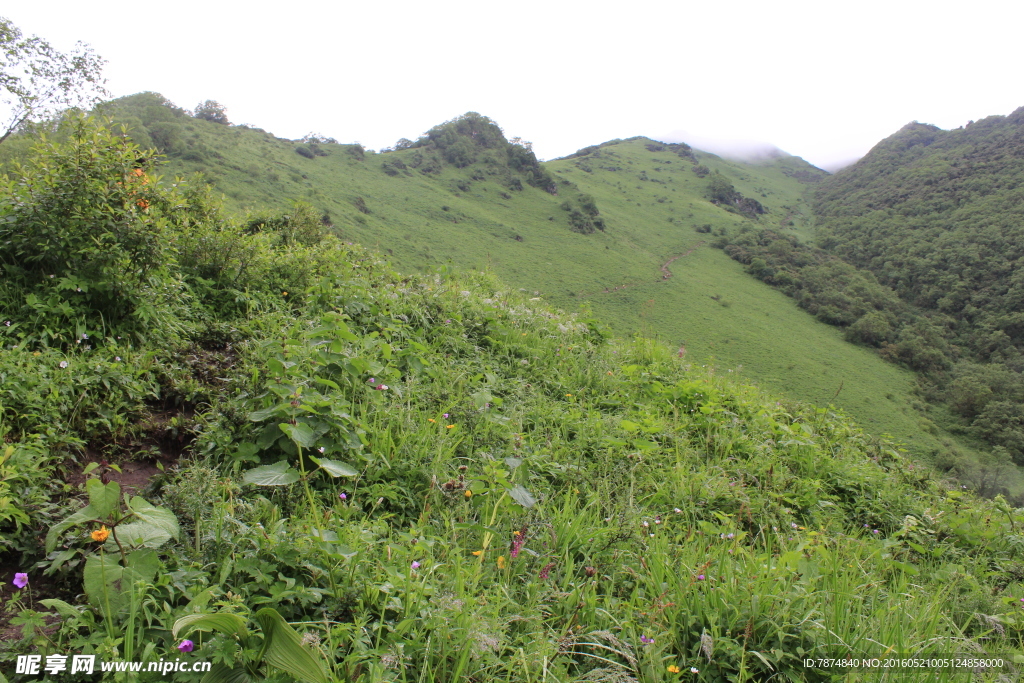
(278, 474)
(282, 648)
(231, 624)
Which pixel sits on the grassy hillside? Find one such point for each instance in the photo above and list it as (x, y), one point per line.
(658, 218)
(393, 477)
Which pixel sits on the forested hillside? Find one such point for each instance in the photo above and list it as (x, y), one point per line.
(938, 217)
(921, 244)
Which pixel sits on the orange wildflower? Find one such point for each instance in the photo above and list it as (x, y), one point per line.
(100, 534)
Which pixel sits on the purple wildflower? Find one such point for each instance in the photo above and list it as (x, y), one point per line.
(415, 565)
(546, 570)
(645, 640)
(517, 542)
(186, 646)
(20, 579)
(700, 577)
(343, 496)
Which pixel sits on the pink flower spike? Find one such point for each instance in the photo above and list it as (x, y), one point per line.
(20, 580)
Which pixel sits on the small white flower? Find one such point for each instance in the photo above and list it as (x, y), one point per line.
(63, 363)
(85, 336)
(117, 358)
(8, 323)
(321, 449)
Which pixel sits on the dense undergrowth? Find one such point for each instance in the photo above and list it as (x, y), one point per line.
(434, 478)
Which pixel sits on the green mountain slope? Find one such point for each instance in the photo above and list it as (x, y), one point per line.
(644, 261)
(401, 477)
(936, 216)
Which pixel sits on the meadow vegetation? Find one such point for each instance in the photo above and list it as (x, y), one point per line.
(397, 477)
(624, 231)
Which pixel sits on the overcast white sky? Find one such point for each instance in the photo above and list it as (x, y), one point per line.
(822, 80)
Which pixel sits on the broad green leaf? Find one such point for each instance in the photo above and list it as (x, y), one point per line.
(325, 535)
(222, 673)
(200, 600)
(144, 563)
(64, 609)
(230, 624)
(162, 518)
(103, 498)
(246, 452)
(261, 415)
(278, 474)
(282, 648)
(86, 514)
(138, 535)
(343, 551)
(102, 580)
(300, 434)
(336, 468)
(522, 496)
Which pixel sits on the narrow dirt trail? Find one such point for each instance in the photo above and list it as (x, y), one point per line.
(665, 273)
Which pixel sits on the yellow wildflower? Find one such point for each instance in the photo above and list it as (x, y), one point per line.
(673, 669)
(450, 427)
(100, 534)
(430, 419)
(284, 293)
(478, 553)
(501, 562)
(469, 494)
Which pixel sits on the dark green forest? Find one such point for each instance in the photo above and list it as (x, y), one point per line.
(919, 256)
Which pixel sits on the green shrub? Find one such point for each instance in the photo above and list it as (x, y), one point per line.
(86, 237)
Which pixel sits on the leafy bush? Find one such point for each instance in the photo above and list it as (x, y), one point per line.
(87, 242)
